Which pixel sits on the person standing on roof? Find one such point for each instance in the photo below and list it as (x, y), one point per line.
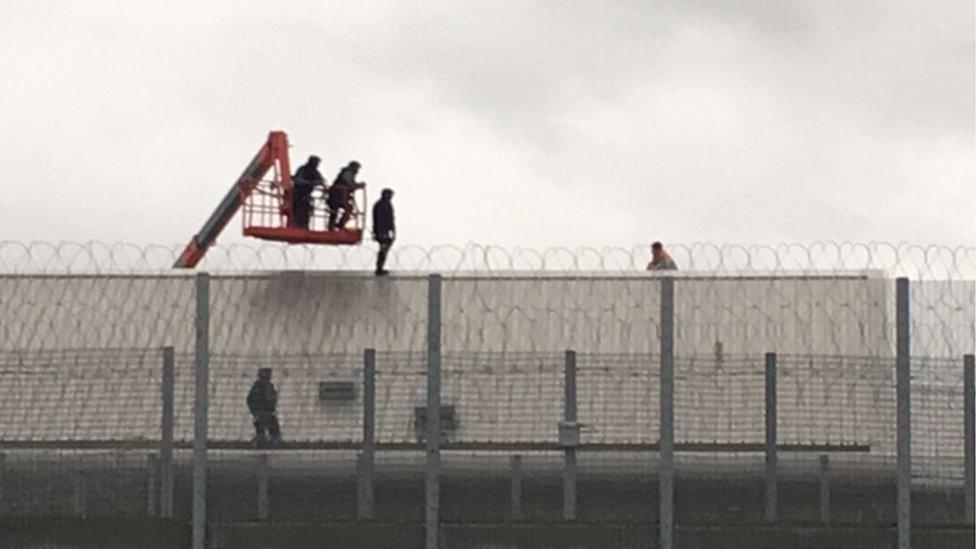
(305, 180)
(262, 402)
(384, 228)
(341, 195)
(660, 259)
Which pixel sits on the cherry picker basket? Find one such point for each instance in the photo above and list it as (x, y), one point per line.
(268, 215)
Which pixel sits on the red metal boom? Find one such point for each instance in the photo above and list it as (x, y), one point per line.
(274, 154)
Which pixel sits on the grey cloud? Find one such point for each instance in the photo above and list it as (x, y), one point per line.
(619, 121)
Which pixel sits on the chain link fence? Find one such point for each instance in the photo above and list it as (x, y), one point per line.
(81, 361)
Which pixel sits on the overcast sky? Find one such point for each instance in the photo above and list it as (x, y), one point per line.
(511, 123)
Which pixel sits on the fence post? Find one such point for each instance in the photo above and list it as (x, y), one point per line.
(81, 493)
(825, 489)
(666, 474)
(201, 365)
(569, 417)
(3, 481)
(433, 427)
(969, 424)
(771, 458)
(152, 484)
(904, 397)
(517, 512)
(166, 444)
(367, 459)
(264, 473)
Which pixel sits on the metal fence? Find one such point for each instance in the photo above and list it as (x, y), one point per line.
(695, 398)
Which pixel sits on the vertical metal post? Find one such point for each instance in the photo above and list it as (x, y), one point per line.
(166, 443)
(569, 458)
(152, 485)
(367, 460)
(825, 489)
(517, 512)
(201, 366)
(904, 395)
(771, 457)
(969, 438)
(3, 481)
(264, 474)
(81, 493)
(433, 427)
(666, 474)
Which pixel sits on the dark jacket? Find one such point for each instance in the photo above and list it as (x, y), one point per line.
(263, 397)
(342, 188)
(383, 221)
(306, 178)
(345, 177)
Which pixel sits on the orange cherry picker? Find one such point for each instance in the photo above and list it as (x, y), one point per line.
(264, 191)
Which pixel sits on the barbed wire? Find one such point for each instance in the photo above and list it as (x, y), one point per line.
(917, 261)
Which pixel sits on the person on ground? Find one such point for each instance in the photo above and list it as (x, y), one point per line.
(341, 195)
(384, 228)
(262, 402)
(305, 180)
(660, 259)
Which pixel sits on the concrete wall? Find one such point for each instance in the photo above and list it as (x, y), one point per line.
(503, 339)
(329, 313)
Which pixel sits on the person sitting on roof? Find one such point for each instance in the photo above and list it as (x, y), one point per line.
(305, 179)
(660, 259)
(341, 195)
(262, 401)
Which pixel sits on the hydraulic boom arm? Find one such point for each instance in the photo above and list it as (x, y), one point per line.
(274, 152)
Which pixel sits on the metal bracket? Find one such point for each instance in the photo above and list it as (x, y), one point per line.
(569, 433)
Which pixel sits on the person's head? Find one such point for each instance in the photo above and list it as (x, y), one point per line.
(264, 374)
(313, 161)
(387, 194)
(657, 249)
(354, 166)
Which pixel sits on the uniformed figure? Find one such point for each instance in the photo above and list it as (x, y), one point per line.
(340, 195)
(262, 401)
(305, 179)
(384, 228)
